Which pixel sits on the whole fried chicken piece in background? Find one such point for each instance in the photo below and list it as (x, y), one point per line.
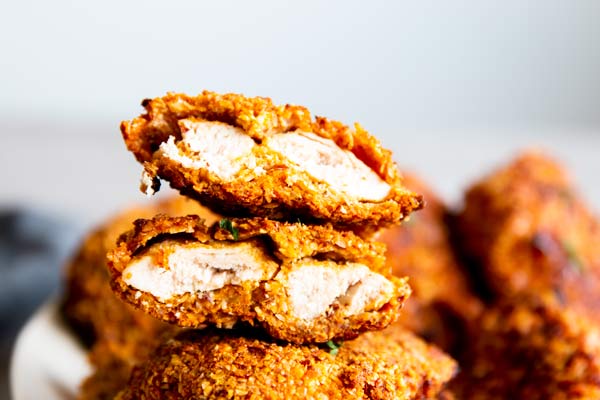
(442, 302)
(536, 246)
(118, 334)
(529, 232)
(213, 364)
(302, 283)
(248, 157)
(531, 348)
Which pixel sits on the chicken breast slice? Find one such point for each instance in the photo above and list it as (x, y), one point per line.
(247, 156)
(301, 283)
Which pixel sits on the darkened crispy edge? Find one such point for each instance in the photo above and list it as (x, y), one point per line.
(291, 240)
(259, 118)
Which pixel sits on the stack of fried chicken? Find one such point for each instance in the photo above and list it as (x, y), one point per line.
(268, 277)
(284, 294)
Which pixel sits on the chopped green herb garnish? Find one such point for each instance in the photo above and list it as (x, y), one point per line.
(228, 225)
(334, 347)
(574, 258)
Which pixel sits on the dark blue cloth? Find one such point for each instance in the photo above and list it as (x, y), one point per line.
(33, 250)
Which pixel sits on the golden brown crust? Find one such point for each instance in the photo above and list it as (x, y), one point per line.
(290, 241)
(232, 365)
(442, 302)
(119, 334)
(530, 233)
(264, 301)
(531, 348)
(271, 194)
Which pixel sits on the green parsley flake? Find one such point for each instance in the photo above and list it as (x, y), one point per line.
(334, 347)
(228, 225)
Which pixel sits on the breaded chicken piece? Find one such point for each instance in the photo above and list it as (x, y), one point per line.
(248, 157)
(217, 364)
(111, 374)
(442, 302)
(118, 334)
(531, 233)
(302, 283)
(531, 348)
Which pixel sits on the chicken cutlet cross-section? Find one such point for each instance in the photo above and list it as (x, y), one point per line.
(301, 283)
(247, 156)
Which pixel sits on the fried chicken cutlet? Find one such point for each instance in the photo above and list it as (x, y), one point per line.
(248, 157)
(442, 302)
(118, 334)
(218, 364)
(531, 348)
(531, 233)
(302, 283)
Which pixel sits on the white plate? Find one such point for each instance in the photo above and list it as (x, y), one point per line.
(48, 361)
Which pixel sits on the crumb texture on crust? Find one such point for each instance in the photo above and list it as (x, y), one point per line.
(183, 272)
(247, 156)
(239, 365)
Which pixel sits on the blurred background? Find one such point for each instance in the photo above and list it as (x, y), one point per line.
(451, 87)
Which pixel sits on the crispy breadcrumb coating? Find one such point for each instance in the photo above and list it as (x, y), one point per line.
(118, 334)
(302, 283)
(531, 233)
(442, 302)
(282, 164)
(216, 364)
(531, 348)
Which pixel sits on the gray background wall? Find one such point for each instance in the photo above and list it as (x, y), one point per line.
(451, 86)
